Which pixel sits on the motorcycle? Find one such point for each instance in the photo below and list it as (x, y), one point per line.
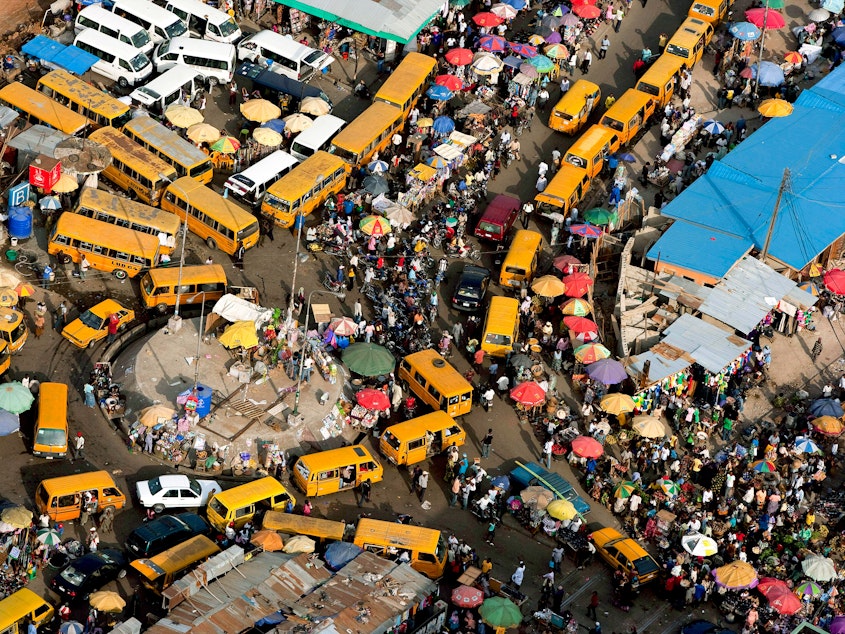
(333, 285)
(409, 407)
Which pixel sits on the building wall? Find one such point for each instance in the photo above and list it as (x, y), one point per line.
(695, 276)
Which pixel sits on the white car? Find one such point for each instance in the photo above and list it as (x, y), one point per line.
(175, 492)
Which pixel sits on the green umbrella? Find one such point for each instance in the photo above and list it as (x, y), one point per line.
(48, 537)
(369, 359)
(15, 398)
(542, 63)
(500, 612)
(774, 4)
(600, 216)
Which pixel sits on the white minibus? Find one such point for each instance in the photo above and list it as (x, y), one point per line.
(282, 54)
(119, 61)
(95, 17)
(160, 23)
(204, 21)
(213, 60)
(165, 89)
(316, 137)
(249, 185)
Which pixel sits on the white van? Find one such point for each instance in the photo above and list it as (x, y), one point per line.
(119, 61)
(99, 19)
(165, 89)
(282, 54)
(249, 186)
(316, 137)
(205, 21)
(213, 60)
(159, 23)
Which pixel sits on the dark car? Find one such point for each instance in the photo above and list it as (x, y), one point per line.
(471, 289)
(700, 626)
(157, 536)
(89, 573)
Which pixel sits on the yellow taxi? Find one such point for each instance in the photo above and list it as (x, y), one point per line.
(93, 325)
(625, 554)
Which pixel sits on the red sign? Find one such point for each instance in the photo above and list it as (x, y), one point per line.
(45, 174)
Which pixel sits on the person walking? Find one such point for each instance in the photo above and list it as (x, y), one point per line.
(111, 328)
(518, 575)
(364, 490)
(486, 443)
(487, 398)
(60, 317)
(239, 256)
(107, 519)
(39, 324)
(594, 604)
(79, 447)
(618, 19)
(46, 274)
(456, 490)
(817, 348)
(547, 453)
(605, 45)
(557, 558)
(88, 392)
(585, 62)
(84, 265)
(527, 210)
(422, 485)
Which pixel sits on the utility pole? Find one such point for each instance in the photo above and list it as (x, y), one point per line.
(783, 185)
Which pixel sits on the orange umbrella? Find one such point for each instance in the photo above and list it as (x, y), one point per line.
(24, 289)
(793, 57)
(529, 393)
(580, 324)
(828, 425)
(577, 284)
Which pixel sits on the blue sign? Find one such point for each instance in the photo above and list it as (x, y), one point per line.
(18, 195)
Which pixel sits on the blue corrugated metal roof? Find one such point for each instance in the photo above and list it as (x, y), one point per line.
(712, 347)
(708, 251)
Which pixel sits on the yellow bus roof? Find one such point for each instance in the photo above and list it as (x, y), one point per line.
(131, 210)
(166, 140)
(448, 380)
(51, 112)
(211, 203)
(661, 70)
(353, 454)
(9, 318)
(409, 429)
(594, 138)
(18, 605)
(98, 232)
(367, 127)
(503, 311)
(132, 154)
(85, 94)
(302, 178)
(255, 490)
(403, 536)
(562, 185)
(524, 238)
(629, 103)
(303, 525)
(171, 274)
(577, 95)
(78, 482)
(177, 558)
(400, 86)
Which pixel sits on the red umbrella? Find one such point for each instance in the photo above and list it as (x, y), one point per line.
(577, 3)
(487, 19)
(459, 56)
(577, 284)
(784, 602)
(770, 585)
(562, 262)
(747, 73)
(771, 18)
(581, 324)
(467, 597)
(834, 280)
(587, 447)
(372, 399)
(587, 11)
(449, 81)
(529, 393)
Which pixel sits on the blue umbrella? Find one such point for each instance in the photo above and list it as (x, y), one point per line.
(443, 125)
(439, 93)
(51, 203)
(560, 11)
(516, 4)
(436, 161)
(745, 31)
(769, 74)
(625, 156)
(502, 482)
(834, 6)
(825, 407)
(277, 125)
(492, 43)
(9, 423)
(513, 61)
(378, 167)
(806, 445)
(839, 35)
(338, 554)
(713, 127)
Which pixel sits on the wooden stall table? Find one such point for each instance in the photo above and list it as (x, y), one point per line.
(470, 576)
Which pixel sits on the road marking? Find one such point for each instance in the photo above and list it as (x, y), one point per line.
(656, 615)
(588, 584)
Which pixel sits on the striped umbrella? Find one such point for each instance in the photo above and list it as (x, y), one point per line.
(378, 167)
(591, 352)
(556, 51)
(536, 39)
(809, 589)
(576, 306)
(226, 145)
(437, 162)
(375, 225)
(806, 445)
(624, 490)
(48, 537)
(493, 43)
(451, 82)
(503, 10)
(523, 50)
(764, 466)
(669, 487)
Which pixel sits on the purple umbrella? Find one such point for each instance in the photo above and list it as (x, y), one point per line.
(589, 231)
(525, 50)
(607, 371)
(837, 625)
(554, 38)
(492, 43)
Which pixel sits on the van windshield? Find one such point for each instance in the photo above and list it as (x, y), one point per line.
(313, 58)
(218, 507)
(679, 51)
(176, 29)
(139, 62)
(391, 440)
(703, 9)
(489, 227)
(140, 39)
(497, 340)
(147, 284)
(228, 27)
(50, 437)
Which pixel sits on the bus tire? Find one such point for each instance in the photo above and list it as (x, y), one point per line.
(212, 244)
(64, 258)
(161, 308)
(120, 274)
(123, 83)
(158, 509)
(212, 82)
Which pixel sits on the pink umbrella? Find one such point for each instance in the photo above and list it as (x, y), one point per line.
(587, 447)
(449, 81)
(834, 280)
(587, 11)
(765, 18)
(467, 597)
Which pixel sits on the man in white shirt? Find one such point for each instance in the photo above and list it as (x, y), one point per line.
(634, 502)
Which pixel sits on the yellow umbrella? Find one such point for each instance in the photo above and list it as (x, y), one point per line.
(106, 601)
(17, 516)
(241, 334)
(269, 540)
(297, 122)
(617, 403)
(648, 426)
(735, 575)
(25, 289)
(260, 110)
(548, 286)
(536, 40)
(828, 425)
(375, 226)
(155, 414)
(314, 106)
(577, 306)
(203, 133)
(183, 116)
(561, 510)
(267, 136)
(775, 108)
(65, 184)
(8, 297)
(425, 122)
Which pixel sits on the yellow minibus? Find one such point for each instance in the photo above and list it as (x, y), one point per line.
(420, 438)
(712, 11)
(160, 571)
(591, 148)
(689, 41)
(99, 108)
(629, 115)
(520, 263)
(5, 357)
(369, 133)
(50, 434)
(408, 82)
(304, 188)
(659, 80)
(223, 224)
(200, 283)
(37, 108)
(117, 210)
(570, 114)
(425, 546)
(116, 250)
(336, 470)
(13, 332)
(501, 326)
(62, 498)
(437, 382)
(185, 157)
(567, 188)
(20, 609)
(247, 502)
(134, 169)
(295, 524)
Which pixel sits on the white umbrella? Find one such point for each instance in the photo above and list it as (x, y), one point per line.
(819, 568)
(818, 15)
(699, 545)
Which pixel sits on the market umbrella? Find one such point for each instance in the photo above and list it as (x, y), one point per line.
(736, 575)
(267, 137)
(551, 22)
(699, 545)
(562, 510)
(276, 124)
(72, 627)
(439, 93)
(260, 110)
(569, 20)
(50, 203)
(500, 612)
(521, 360)
(580, 324)
(375, 184)
(501, 482)
(375, 226)
(487, 64)
(536, 39)
(793, 57)
(765, 18)
(443, 125)
(617, 403)
(806, 445)
(300, 544)
(451, 82)
(553, 38)
(810, 287)
(106, 601)
(538, 496)
(378, 167)
(607, 371)
(556, 51)
(764, 466)
(827, 425)
(769, 584)
(548, 286)
(809, 589)
(48, 536)
(834, 280)
(577, 284)
(576, 306)
(269, 540)
(203, 133)
(155, 414)
(529, 393)
(785, 603)
(65, 184)
(315, 106)
(467, 597)
(459, 56)
(517, 4)
(648, 426)
(522, 49)
(513, 61)
(15, 398)
(774, 4)
(775, 108)
(437, 162)
(369, 359)
(745, 31)
(485, 18)
(504, 11)
(816, 567)
(713, 127)
(587, 11)
(624, 490)
(587, 447)
(670, 488)
(768, 74)
(183, 116)
(529, 71)
(240, 334)
(591, 352)
(17, 516)
(8, 297)
(344, 326)
(297, 122)
(818, 15)
(837, 625)
(399, 215)
(372, 399)
(542, 63)
(493, 43)
(600, 216)
(226, 145)
(834, 6)
(588, 231)
(562, 262)
(9, 423)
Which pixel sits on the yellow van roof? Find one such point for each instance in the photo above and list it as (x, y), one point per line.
(177, 558)
(524, 239)
(435, 421)
(304, 524)
(9, 319)
(594, 137)
(403, 536)
(663, 68)
(340, 456)
(17, 605)
(502, 313)
(163, 275)
(79, 481)
(257, 489)
(576, 96)
(562, 185)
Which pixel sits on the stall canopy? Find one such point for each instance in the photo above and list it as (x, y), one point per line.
(55, 55)
(397, 20)
(262, 76)
(233, 308)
